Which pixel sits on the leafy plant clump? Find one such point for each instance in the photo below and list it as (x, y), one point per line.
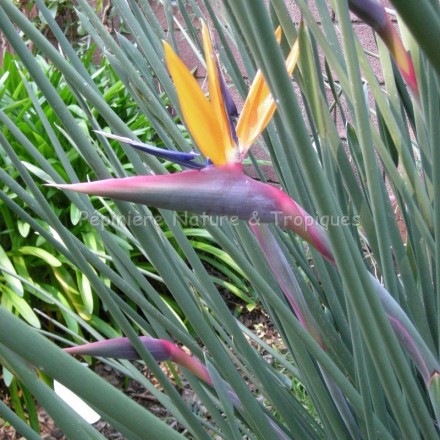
(354, 300)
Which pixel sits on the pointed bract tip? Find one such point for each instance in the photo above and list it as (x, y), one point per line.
(403, 59)
(374, 14)
(122, 348)
(160, 350)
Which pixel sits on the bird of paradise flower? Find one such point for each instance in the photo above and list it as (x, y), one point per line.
(218, 187)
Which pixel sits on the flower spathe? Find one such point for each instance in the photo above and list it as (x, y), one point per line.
(214, 190)
(160, 349)
(374, 14)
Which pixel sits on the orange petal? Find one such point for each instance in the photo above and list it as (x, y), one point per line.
(278, 34)
(292, 58)
(215, 94)
(260, 106)
(198, 113)
(403, 60)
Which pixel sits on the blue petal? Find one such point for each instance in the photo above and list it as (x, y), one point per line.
(179, 157)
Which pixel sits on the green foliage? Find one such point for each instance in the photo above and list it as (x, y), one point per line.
(373, 380)
(29, 255)
(23, 251)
